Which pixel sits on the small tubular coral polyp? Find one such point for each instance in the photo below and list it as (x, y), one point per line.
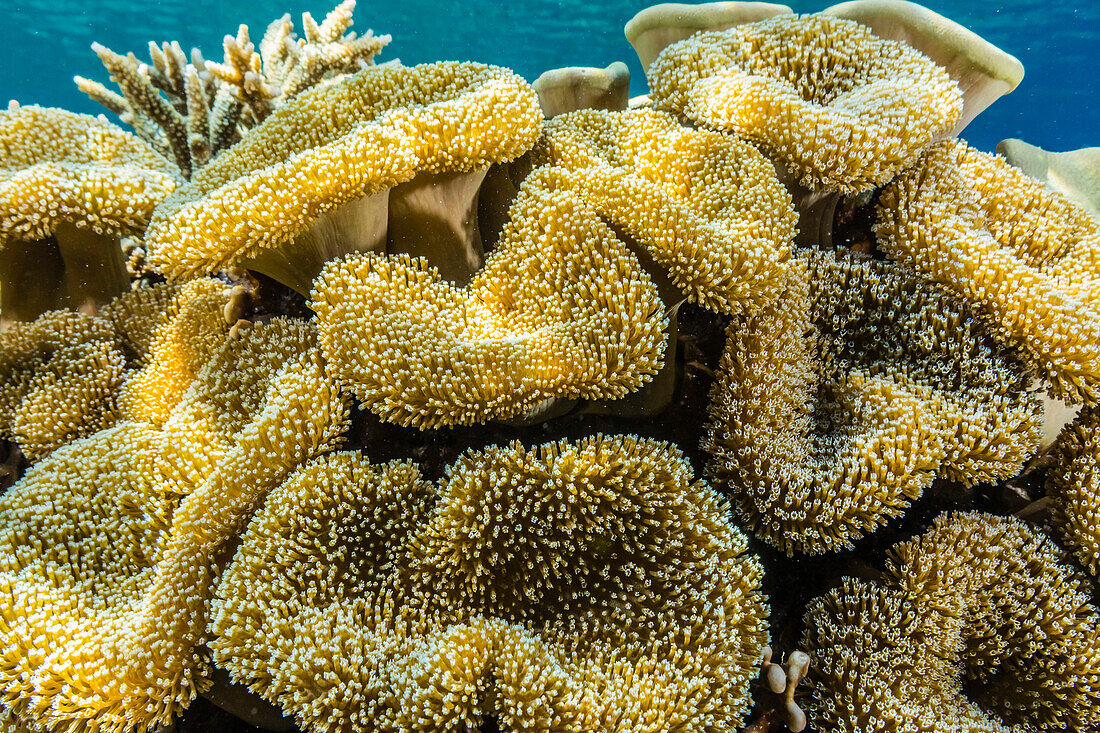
(843, 109)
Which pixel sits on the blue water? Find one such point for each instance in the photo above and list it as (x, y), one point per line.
(43, 43)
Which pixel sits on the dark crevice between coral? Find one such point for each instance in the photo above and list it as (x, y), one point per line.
(13, 464)
(271, 298)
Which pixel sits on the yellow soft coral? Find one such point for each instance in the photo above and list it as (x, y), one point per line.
(576, 586)
(173, 329)
(978, 624)
(843, 109)
(1073, 483)
(70, 186)
(562, 309)
(340, 144)
(260, 406)
(1026, 256)
(839, 404)
(706, 207)
(80, 538)
(60, 377)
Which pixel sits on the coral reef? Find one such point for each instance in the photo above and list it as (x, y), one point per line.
(979, 624)
(573, 586)
(70, 187)
(839, 404)
(356, 397)
(1026, 256)
(191, 112)
(843, 109)
(296, 192)
(260, 406)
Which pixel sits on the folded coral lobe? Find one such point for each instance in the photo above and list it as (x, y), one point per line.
(837, 405)
(334, 145)
(1026, 257)
(843, 109)
(707, 207)
(979, 624)
(588, 586)
(80, 538)
(562, 309)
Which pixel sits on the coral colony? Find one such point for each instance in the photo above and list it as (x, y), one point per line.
(366, 397)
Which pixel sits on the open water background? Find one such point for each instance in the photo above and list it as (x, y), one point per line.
(43, 43)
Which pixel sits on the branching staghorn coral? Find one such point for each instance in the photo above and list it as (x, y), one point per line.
(320, 177)
(70, 187)
(260, 406)
(838, 405)
(59, 380)
(976, 625)
(575, 586)
(172, 330)
(190, 112)
(1073, 483)
(286, 65)
(839, 107)
(1024, 255)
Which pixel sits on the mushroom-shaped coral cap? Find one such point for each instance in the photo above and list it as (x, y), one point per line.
(1073, 483)
(262, 202)
(587, 586)
(70, 186)
(562, 309)
(839, 107)
(839, 404)
(706, 207)
(977, 625)
(983, 71)
(1075, 173)
(1026, 256)
(582, 87)
(80, 537)
(659, 26)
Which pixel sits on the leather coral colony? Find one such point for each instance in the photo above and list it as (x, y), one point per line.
(488, 543)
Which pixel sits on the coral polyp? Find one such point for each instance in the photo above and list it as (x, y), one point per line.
(371, 397)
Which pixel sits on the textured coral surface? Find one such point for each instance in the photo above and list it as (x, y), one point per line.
(353, 397)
